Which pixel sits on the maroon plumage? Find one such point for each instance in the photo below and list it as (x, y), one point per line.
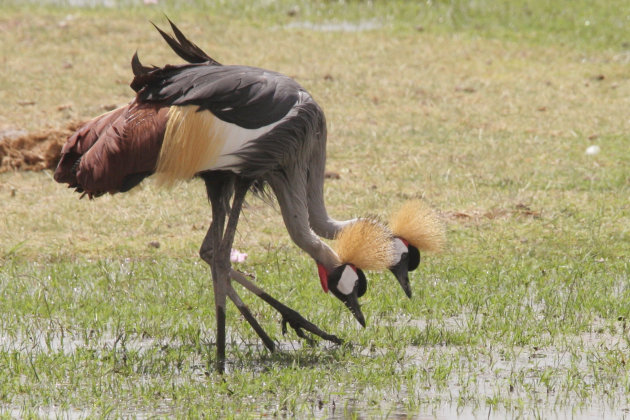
(79, 143)
(114, 151)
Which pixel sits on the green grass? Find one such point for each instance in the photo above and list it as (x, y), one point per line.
(564, 22)
(486, 113)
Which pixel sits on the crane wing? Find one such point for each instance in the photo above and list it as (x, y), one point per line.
(113, 152)
(185, 119)
(246, 96)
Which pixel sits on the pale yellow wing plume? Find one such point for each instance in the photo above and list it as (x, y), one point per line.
(192, 139)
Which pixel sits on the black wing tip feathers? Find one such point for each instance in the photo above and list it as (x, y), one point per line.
(140, 72)
(183, 47)
(136, 66)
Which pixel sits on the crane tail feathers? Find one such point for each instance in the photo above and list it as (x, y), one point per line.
(80, 142)
(190, 46)
(419, 225)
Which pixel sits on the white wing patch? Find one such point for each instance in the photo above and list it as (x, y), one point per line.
(196, 141)
(236, 139)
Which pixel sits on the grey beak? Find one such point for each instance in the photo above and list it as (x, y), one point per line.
(352, 302)
(401, 272)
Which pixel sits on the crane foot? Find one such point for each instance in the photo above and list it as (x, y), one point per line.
(289, 316)
(299, 324)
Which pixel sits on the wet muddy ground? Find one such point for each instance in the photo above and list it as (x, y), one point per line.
(486, 373)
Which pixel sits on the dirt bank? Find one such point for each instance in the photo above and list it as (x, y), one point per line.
(35, 151)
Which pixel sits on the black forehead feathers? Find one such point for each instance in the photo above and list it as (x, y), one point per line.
(362, 283)
(414, 258)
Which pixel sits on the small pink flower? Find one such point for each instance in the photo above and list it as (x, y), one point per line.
(150, 1)
(237, 256)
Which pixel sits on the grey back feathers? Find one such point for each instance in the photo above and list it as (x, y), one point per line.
(249, 97)
(246, 96)
(289, 145)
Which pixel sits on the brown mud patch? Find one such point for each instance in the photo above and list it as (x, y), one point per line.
(476, 215)
(34, 151)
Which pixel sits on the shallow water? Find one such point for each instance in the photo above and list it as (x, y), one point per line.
(431, 403)
(438, 413)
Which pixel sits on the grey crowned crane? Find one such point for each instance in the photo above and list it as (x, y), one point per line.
(238, 128)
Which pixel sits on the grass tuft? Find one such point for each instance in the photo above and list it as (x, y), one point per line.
(484, 109)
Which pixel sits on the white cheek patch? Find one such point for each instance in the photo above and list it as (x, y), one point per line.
(347, 280)
(399, 249)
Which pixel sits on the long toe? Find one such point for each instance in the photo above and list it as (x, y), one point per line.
(298, 323)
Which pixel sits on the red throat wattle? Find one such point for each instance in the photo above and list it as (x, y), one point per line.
(323, 276)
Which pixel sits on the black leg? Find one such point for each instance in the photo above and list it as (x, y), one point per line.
(289, 316)
(219, 192)
(240, 190)
(220, 292)
(267, 341)
(215, 251)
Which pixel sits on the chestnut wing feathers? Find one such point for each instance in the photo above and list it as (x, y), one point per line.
(80, 142)
(122, 149)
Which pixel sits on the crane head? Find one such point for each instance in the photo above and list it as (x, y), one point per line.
(406, 259)
(364, 244)
(416, 227)
(348, 284)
